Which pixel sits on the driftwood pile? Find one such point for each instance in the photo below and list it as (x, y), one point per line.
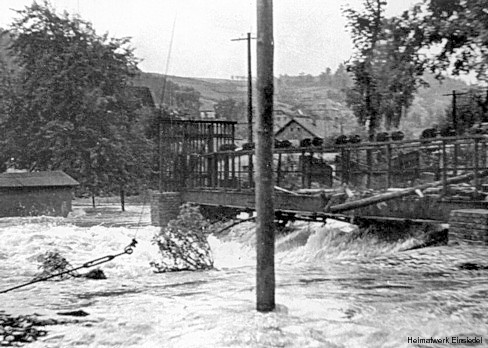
(386, 196)
(183, 243)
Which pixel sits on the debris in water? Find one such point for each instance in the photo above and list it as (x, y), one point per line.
(471, 266)
(78, 313)
(183, 243)
(52, 263)
(96, 273)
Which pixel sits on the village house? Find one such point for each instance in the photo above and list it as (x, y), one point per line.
(301, 127)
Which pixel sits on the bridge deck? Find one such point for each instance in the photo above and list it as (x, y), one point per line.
(428, 208)
(226, 178)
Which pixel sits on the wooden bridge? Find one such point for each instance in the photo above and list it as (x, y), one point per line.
(197, 160)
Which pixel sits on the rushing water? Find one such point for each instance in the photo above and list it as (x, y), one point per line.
(332, 291)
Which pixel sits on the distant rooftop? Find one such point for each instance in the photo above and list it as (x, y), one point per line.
(36, 179)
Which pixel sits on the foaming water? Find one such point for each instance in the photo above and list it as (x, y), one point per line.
(333, 289)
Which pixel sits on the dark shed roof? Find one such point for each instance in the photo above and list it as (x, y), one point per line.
(36, 179)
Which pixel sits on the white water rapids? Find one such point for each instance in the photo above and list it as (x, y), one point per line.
(331, 291)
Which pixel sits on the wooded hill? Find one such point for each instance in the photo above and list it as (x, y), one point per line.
(311, 94)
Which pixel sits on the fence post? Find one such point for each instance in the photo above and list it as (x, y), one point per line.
(444, 168)
(455, 159)
(226, 169)
(278, 170)
(476, 165)
(210, 148)
(250, 170)
(388, 158)
(309, 170)
(369, 159)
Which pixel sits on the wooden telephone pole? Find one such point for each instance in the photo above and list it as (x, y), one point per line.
(265, 231)
(249, 86)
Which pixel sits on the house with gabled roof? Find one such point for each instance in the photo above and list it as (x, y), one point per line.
(299, 128)
(36, 193)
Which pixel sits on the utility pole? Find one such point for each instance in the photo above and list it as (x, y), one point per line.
(265, 231)
(249, 86)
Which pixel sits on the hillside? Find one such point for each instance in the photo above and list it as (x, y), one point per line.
(312, 98)
(211, 90)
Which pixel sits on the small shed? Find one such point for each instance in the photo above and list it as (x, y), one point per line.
(36, 193)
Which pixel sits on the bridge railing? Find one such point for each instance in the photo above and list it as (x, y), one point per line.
(376, 165)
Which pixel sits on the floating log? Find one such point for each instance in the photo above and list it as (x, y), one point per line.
(397, 194)
(281, 189)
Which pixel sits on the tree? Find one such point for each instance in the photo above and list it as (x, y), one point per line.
(69, 107)
(326, 77)
(386, 67)
(231, 110)
(460, 29)
(399, 68)
(341, 78)
(365, 29)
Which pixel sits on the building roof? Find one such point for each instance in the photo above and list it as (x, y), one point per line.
(36, 179)
(305, 122)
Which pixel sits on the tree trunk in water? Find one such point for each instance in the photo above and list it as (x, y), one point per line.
(397, 194)
(93, 200)
(122, 198)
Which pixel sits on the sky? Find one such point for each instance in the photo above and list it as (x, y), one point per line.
(309, 35)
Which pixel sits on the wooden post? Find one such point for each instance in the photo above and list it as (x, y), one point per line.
(226, 170)
(122, 198)
(455, 159)
(309, 170)
(278, 170)
(239, 173)
(249, 90)
(444, 169)
(369, 160)
(389, 169)
(211, 158)
(265, 234)
(477, 185)
(160, 152)
(344, 179)
(233, 164)
(349, 166)
(250, 170)
(454, 113)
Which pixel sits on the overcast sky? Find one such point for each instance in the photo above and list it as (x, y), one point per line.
(309, 35)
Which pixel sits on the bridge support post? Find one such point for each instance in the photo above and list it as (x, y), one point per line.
(469, 226)
(165, 206)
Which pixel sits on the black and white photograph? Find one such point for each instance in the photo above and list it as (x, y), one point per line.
(243, 173)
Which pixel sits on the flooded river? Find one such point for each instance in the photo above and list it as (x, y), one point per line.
(331, 291)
